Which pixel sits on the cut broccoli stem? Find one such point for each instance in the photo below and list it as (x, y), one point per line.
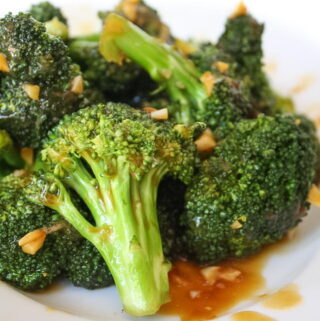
(178, 75)
(8, 153)
(128, 216)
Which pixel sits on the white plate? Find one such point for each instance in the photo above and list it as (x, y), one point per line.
(292, 50)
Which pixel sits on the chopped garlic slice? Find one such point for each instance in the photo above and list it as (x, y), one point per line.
(33, 91)
(32, 242)
(206, 141)
(77, 85)
(208, 79)
(3, 63)
(161, 114)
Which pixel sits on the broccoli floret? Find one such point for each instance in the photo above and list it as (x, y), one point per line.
(253, 189)
(41, 84)
(189, 98)
(114, 81)
(208, 56)
(54, 20)
(114, 158)
(144, 16)
(45, 11)
(86, 267)
(18, 217)
(242, 40)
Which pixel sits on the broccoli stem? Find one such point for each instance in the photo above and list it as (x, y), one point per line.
(8, 153)
(173, 72)
(128, 217)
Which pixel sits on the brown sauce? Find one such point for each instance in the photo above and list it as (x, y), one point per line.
(194, 299)
(286, 298)
(250, 316)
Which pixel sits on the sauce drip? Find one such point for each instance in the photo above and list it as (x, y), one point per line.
(193, 298)
(250, 316)
(286, 298)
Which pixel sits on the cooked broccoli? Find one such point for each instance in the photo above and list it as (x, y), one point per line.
(114, 81)
(142, 15)
(208, 56)
(242, 40)
(54, 20)
(18, 217)
(86, 267)
(114, 158)
(253, 189)
(45, 11)
(190, 100)
(40, 85)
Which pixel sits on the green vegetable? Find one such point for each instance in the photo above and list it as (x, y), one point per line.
(18, 217)
(45, 11)
(190, 100)
(242, 40)
(111, 79)
(86, 267)
(35, 59)
(253, 189)
(142, 15)
(114, 158)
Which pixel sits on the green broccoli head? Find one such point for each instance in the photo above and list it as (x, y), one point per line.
(188, 98)
(113, 80)
(226, 106)
(41, 83)
(253, 189)
(242, 40)
(86, 268)
(114, 158)
(19, 217)
(208, 56)
(45, 11)
(142, 15)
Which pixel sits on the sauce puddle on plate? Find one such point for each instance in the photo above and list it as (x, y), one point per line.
(250, 316)
(193, 298)
(286, 298)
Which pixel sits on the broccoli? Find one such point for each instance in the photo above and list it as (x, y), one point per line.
(242, 40)
(142, 15)
(45, 11)
(18, 217)
(252, 190)
(190, 99)
(86, 268)
(114, 81)
(40, 84)
(54, 20)
(114, 158)
(208, 56)
(9, 155)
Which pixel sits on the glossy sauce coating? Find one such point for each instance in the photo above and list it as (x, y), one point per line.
(193, 298)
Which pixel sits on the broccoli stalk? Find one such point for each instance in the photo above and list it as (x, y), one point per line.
(176, 74)
(128, 154)
(8, 153)
(127, 236)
